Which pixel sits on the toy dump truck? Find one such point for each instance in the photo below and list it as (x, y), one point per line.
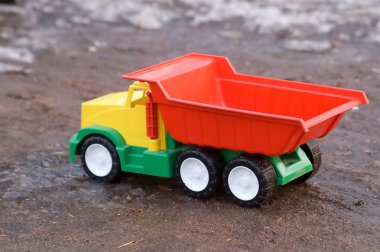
(196, 119)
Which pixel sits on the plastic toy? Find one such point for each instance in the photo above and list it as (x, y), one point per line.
(196, 119)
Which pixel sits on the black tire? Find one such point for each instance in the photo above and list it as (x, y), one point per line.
(264, 172)
(314, 154)
(214, 164)
(114, 173)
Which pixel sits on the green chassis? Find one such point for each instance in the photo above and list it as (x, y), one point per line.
(161, 163)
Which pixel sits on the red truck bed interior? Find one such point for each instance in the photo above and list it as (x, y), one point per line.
(204, 101)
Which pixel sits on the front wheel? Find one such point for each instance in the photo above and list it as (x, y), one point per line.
(100, 160)
(249, 179)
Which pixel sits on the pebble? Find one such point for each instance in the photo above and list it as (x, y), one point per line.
(138, 192)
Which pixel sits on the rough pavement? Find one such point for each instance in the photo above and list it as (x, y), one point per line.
(56, 54)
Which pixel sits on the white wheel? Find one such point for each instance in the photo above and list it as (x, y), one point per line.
(198, 171)
(243, 183)
(98, 160)
(194, 174)
(249, 179)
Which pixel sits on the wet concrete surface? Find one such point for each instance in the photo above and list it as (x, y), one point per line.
(47, 204)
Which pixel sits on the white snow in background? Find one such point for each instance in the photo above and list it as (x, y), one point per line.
(22, 55)
(143, 14)
(374, 36)
(10, 68)
(308, 45)
(298, 20)
(265, 16)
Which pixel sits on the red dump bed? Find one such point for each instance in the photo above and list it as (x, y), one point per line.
(203, 101)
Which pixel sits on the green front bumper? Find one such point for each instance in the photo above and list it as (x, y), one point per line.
(73, 143)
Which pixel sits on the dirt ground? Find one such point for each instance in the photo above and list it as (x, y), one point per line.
(56, 55)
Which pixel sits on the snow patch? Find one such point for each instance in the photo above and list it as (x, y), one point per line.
(10, 68)
(308, 46)
(16, 54)
(142, 14)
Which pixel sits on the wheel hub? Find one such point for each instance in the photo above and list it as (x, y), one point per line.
(243, 183)
(194, 174)
(98, 160)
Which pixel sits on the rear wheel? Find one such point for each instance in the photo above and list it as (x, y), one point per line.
(314, 154)
(100, 160)
(249, 179)
(198, 171)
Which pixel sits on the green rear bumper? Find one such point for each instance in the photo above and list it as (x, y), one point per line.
(291, 166)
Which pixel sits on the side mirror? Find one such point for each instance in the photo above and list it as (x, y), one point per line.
(137, 85)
